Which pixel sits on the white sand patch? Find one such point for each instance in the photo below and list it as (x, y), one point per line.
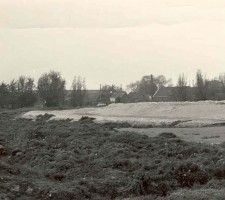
(192, 113)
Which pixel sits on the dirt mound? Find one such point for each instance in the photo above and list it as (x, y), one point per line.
(144, 114)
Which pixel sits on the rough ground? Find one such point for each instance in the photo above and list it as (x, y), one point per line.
(82, 160)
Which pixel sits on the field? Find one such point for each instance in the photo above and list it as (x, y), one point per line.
(65, 159)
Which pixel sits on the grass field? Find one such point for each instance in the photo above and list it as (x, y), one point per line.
(82, 160)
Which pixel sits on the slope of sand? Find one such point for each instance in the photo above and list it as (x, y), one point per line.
(180, 114)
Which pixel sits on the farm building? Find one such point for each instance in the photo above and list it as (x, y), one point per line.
(167, 94)
(93, 97)
(134, 97)
(119, 97)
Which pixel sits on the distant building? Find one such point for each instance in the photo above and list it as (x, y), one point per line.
(93, 97)
(119, 97)
(134, 97)
(167, 94)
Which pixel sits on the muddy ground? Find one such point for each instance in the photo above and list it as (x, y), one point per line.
(82, 160)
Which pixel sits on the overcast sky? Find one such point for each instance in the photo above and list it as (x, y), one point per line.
(111, 41)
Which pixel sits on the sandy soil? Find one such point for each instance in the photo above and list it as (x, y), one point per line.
(183, 114)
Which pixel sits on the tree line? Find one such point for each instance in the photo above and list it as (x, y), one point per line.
(18, 93)
(51, 89)
(203, 89)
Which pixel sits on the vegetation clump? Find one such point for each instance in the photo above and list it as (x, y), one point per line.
(167, 135)
(86, 119)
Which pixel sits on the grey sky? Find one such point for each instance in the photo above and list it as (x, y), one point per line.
(111, 41)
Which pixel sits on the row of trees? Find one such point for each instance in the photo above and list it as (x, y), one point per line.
(18, 93)
(51, 88)
(204, 89)
(78, 92)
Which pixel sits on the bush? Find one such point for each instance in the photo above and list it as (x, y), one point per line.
(188, 174)
(167, 135)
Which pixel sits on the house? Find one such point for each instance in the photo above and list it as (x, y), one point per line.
(119, 97)
(134, 97)
(93, 97)
(167, 94)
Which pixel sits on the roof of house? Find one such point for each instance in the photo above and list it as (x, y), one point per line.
(137, 95)
(91, 95)
(169, 91)
(118, 94)
(94, 95)
(164, 92)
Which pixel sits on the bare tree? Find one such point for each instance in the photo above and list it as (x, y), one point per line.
(112, 88)
(181, 92)
(78, 91)
(200, 85)
(133, 87)
(161, 81)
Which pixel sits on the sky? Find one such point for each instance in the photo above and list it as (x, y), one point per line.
(111, 41)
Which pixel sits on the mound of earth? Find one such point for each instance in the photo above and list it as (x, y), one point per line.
(149, 114)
